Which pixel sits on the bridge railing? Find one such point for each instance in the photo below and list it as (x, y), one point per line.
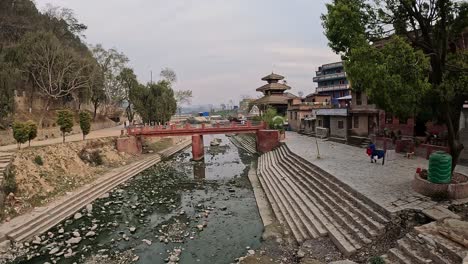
(141, 129)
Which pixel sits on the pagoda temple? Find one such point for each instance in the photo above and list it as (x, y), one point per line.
(274, 94)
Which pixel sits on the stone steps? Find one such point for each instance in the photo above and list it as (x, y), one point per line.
(54, 215)
(245, 142)
(426, 248)
(323, 207)
(5, 161)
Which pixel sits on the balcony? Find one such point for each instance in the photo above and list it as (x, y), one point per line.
(327, 77)
(332, 112)
(332, 65)
(330, 88)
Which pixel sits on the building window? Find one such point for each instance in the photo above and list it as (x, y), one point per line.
(358, 98)
(295, 115)
(356, 121)
(320, 123)
(290, 115)
(388, 119)
(340, 124)
(403, 121)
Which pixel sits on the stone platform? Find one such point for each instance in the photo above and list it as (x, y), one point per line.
(388, 185)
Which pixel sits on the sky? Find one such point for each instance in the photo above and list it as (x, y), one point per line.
(220, 49)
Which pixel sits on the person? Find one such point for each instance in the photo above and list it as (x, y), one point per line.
(375, 153)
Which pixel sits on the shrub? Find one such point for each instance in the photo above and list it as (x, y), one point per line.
(85, 123)
(91, 156)
(9, 185)
(65, 121)
(377, 260)
(38, 160)
(20, 133)
(32, 130)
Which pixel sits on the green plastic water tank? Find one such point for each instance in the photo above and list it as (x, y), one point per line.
(440, 167)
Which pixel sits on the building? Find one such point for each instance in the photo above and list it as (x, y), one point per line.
(331, 80)
(274, 94)
(298, 109)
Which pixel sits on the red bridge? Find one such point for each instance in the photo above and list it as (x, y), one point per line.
(266, 139)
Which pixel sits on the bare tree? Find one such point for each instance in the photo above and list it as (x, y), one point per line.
(182, 97)
(68, 16)
(55, 70)
(169, 75)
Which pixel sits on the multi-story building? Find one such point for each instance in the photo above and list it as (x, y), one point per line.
(331, 80)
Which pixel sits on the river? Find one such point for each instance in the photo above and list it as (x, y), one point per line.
(178, 210)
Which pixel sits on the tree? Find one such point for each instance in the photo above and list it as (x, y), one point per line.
(32, 130)
(97, 94)
(155, 103)
(404, 54)
(168, 75)
(8, 77)
(129, 83)
(85, 123)
(67, 16)
(20, 133)
(182, 97)
(111, 62)
(55, 70)
(65, 121)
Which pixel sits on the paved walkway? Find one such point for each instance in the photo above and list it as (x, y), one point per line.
(100, 133)
(388, 185)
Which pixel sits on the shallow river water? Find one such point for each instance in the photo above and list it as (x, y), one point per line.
(193, 212)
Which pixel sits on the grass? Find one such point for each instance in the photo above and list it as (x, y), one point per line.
(162, 144)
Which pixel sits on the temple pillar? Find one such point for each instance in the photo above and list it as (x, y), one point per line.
(198, 151)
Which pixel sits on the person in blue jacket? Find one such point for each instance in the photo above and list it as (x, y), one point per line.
(375, 153)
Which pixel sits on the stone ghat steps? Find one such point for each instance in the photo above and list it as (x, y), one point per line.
(245, 142)
(311, 204)
(54, 215)
(423, 248)
(5, 161)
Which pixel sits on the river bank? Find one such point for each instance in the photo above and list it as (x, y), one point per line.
(178, 210)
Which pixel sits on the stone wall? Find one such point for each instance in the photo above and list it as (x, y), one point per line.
(335, 131)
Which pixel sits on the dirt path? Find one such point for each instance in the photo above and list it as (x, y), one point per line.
(100, 133)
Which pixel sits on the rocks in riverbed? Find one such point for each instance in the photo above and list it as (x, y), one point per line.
(74, 240)
(77, 216)
(90, 234)
(148, 242)
(132, 229)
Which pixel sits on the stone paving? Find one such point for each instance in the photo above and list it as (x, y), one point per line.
(388, 185)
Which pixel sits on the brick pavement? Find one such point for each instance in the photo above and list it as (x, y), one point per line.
(388, 185)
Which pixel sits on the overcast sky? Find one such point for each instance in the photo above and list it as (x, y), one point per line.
(219, 48)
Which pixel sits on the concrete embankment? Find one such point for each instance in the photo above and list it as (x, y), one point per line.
(42, 218)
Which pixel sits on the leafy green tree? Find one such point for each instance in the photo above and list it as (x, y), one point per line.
(65, 122)
(20, 133)
(155, 103)
(32, 130)
(85, 123)
(129, 82)
(272, 119)
(97, 94)
(405, 54)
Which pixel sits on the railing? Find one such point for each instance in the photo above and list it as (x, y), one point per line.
(332, 88)
(188, 128)
(332, 65)
(329, 76)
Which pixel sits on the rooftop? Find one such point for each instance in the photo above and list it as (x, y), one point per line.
(273, 86)
(272, 76)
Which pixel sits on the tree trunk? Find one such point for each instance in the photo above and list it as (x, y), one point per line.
(84, 136)
(63, 135)
(453, 142)
(46, 109)
(29, 143)
(95, 104)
